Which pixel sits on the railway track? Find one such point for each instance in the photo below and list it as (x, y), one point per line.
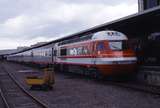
(4, 103)
(13, 93)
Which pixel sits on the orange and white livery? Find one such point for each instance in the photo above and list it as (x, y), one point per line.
(106, 51)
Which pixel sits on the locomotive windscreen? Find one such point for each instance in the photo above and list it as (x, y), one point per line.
(118, 45)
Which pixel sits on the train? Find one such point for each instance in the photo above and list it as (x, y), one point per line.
(100, 54)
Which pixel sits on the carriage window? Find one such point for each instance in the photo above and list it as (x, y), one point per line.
(32, 54)
(45, 53)
(101, 46)
(63, 52)
(50, 53)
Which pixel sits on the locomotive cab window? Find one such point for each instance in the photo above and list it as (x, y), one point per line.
(118, 45)
(63, 52)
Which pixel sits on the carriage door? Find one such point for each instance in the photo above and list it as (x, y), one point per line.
(93, 52)
(54, 55)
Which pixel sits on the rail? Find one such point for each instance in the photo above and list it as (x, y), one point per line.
(43, 105)
(4, 99)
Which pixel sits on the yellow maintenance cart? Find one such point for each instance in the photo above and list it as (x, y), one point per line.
(42, 83)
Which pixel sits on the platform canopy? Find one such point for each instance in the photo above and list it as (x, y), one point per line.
(137, 25)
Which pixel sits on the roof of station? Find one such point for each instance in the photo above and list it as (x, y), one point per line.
(139, 23)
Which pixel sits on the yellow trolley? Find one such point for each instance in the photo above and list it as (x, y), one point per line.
(44, 83)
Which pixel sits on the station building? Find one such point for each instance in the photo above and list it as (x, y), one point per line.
(147, 4)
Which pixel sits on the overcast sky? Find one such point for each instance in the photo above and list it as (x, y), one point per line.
(25, 22)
